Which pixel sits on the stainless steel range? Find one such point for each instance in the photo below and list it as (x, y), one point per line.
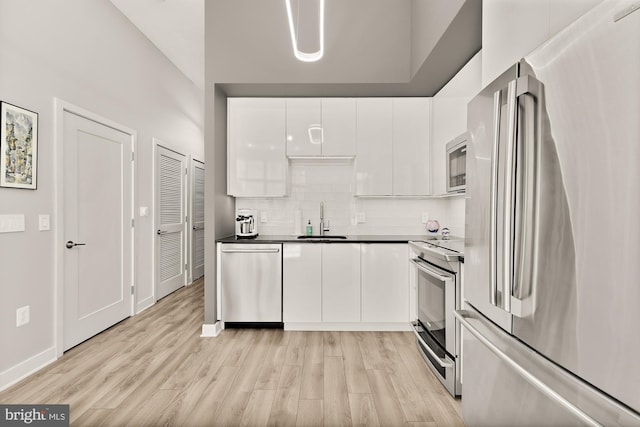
(436, 272)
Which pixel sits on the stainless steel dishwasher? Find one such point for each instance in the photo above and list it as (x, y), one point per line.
(251, 284)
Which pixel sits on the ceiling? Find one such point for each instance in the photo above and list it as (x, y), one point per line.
(372, 47)
(176, 27)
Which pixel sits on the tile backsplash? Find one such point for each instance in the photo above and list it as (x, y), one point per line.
(332, 182)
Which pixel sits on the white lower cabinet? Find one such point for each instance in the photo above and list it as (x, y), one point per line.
(385, 282)
(301, 282)
(346, 286)
(341, 282)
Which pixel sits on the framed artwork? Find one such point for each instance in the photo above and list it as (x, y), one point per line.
(18, 147)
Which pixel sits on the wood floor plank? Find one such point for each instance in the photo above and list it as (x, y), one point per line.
(285, 405)
(370, 349)
(332, 343)
(234, 404)
(296, 348)
(313, 370)
(336, 397)
(201, 407)
(148, 414)
(272, 367)
(354, 370)
(310, 413)
(387, 405)
(363, 410)
(258, 409)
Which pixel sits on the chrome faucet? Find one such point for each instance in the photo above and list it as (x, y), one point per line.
(323, 228)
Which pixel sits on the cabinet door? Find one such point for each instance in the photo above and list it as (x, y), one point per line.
(256, 162)
(301, 282)
(411, 135)
(385, 282)
(339, 127)
(374, 145)
(304, 127)
(340, 282)
(449, 121)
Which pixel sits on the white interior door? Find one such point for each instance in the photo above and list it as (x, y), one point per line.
(197, 219)
(170, 221)
(97, 260)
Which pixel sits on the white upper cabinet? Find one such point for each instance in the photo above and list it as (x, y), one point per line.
(374, 163)
(321, 127)
(256, 162)
(304, 127)
(393, 147)
(339, 127)
(411, 130)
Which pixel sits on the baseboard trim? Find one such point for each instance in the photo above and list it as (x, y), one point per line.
(144, 304)
(23, 369)
(209, 330)
(348, 326)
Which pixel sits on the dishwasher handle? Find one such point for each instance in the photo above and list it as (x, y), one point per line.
(251, 251)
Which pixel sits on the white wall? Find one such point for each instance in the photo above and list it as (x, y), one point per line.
(87, 53)
(511, 29)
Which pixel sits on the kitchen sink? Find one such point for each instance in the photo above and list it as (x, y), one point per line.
(325, 237)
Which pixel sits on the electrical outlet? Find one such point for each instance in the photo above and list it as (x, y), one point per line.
(360, 218)
(263, 216)
(425, 217)
(22, 316)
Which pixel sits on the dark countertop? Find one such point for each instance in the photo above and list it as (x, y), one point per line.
(353, 238)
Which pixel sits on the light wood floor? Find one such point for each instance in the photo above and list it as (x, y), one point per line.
(154, 369)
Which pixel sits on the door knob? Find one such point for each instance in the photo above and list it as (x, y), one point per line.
(71, 244)
(159, 232)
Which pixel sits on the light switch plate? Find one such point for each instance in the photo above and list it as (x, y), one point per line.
(144, 211)
(361, 217)
(11, 223)
(425, 217)
(23, 316)
(44, 222)
(263, 216)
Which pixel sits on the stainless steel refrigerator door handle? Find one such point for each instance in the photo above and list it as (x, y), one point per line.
(509, 197)
(466, 318)
(430, 271)
(493, 222)
(526, 230)
(443, 363)
(251, 251)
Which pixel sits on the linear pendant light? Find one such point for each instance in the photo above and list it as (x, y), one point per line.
(306, 56)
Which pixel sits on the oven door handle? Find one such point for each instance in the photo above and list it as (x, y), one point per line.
(443, 363)
(431, 272)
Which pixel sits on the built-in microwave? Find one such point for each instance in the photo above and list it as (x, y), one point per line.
(457, 164)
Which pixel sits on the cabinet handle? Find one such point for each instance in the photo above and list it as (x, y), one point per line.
(251, 251)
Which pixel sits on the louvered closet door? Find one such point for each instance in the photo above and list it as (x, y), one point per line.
(170, 221)
(197, 226)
